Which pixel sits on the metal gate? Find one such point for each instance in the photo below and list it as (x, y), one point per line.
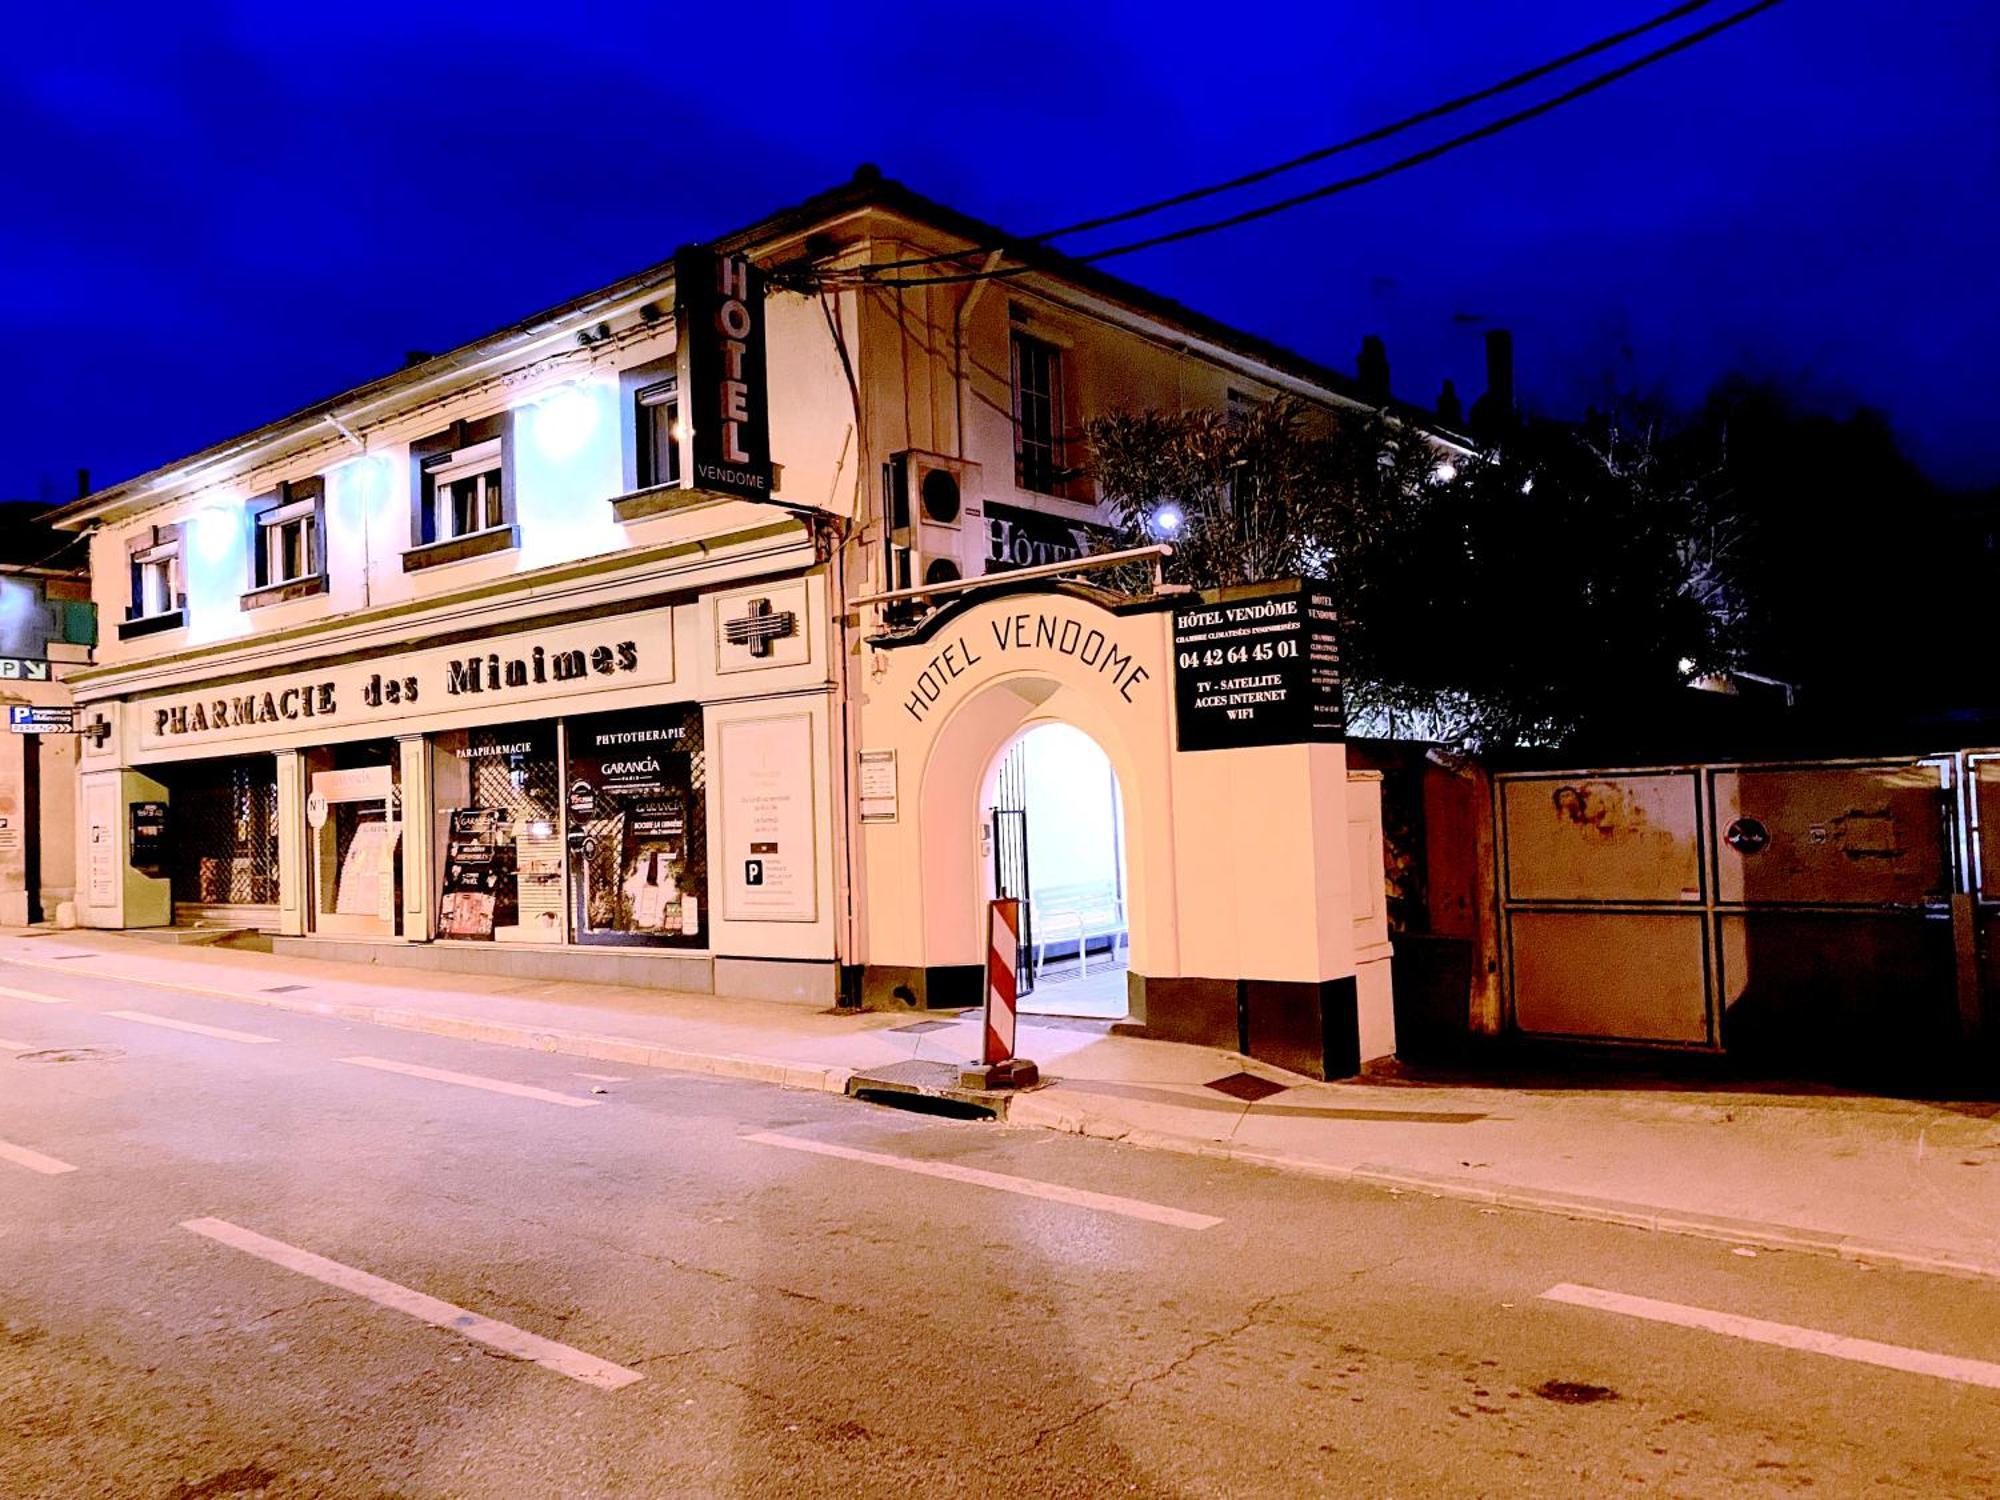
(1801, 913)
(1010, 878)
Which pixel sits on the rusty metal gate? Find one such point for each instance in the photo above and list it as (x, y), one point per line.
(1802, 913)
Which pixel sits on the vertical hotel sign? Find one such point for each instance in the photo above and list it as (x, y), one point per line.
(721, 309)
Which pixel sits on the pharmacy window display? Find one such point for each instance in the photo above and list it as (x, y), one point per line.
(497, 795)
(638, 847)
(354, 813)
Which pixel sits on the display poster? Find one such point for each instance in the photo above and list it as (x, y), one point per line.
(768, 862)
(368, 872)
(1257, 666)
(877, 778)
(638, 856)
(538, 883)
(479, 874)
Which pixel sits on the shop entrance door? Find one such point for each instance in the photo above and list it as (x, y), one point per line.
(355, 823)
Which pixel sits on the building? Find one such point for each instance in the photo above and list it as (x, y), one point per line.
(589, 650)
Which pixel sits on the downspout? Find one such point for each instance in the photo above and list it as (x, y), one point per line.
(965, 305)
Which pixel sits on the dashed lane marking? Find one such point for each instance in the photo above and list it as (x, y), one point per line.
(34, 1161)
(1026, 1187)
(220, 1033)
(35, 997)
(1781, 1335)
(473, 1081)
(505, 1337)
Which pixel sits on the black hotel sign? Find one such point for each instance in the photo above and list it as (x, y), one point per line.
(721, 301)
(1258, 665)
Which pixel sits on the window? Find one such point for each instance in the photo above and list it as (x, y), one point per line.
(1038, 414)
(657, 421)
(290, 540)
(467, 494)
(156, 575)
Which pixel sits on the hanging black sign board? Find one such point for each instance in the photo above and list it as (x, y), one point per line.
(721, 307)
(1258, 665)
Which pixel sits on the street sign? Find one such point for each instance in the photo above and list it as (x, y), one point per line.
(23, 669)
(28, 718)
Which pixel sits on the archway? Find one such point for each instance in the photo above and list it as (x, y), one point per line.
(1053, 837)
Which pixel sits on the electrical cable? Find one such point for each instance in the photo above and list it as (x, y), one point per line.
(1352, 143)
(1345, 184)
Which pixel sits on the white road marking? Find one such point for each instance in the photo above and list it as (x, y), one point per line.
(221, 1033)
(505, 1337)
(34, 1161)
(1783, 1335)
(1027, 1187)
(472, 1081)
(36, 996)
(604, 1077)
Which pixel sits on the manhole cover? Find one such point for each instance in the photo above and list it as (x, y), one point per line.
(1574, 1392)
(71, 1055)
(1246, 1086)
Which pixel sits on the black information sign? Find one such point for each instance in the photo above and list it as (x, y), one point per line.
(149, 837)
(1019, 538)
(1257, 666)
(481, 888)
(721, 303)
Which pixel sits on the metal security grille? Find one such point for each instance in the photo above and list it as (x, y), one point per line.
(597, 858)
(526, 783)
(1010, 878)
(225, 831)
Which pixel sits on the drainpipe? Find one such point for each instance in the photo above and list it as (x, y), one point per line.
(965, 305)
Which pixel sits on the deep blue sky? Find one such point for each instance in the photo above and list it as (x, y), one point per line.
(213, 214)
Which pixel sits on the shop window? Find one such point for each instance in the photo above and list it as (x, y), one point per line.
(1038, 415)
(656, 425)
(224, 850)
(497, 791)
(159, 591)
(635, 796)
(354, 814)
(462, 501)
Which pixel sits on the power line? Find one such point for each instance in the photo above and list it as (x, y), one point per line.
(1352, 143)
(859, 275)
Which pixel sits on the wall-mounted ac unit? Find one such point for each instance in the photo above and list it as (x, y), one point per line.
(924, 504)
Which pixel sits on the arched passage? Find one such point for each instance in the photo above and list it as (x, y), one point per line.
(1053, 838)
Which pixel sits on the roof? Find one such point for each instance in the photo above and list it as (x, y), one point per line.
(866, 190)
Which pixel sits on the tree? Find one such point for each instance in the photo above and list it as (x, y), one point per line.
(1496, 599)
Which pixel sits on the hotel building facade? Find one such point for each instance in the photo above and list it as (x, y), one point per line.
(589, 650)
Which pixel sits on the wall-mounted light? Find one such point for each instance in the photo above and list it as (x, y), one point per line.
(1167, 520)
(1445, 472)
(218, 533)
(564, 421)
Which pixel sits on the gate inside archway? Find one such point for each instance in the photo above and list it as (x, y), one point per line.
(1238, 913)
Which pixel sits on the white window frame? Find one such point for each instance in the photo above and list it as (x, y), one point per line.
(655, 402)
(480, 460)
(271, 527)
(160, 561)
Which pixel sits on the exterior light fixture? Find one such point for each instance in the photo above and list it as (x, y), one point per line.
(1445, 472)
(564, 421)
(1168, 520)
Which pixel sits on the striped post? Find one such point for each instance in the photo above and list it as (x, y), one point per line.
(1003, 953)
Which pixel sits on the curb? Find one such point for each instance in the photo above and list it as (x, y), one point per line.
(1714, 1227)
(597, 1047)
(834, 1080)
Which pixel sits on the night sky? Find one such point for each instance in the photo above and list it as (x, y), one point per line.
(215, 214)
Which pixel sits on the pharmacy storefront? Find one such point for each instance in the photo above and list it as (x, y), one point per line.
(628, 795)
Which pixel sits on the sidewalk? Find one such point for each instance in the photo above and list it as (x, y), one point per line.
(1878, 1180)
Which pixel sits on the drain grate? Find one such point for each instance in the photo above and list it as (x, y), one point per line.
(1246, 1086)
(926, 1026)
(71, 1055)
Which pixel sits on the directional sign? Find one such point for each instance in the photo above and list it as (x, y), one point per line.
(28, 718)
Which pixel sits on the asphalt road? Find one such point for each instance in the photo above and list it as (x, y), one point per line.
(401, 1284)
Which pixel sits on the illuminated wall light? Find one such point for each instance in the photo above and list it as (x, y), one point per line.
(564, 421)
(218, 534)
(1445, 473)
(1168, 520)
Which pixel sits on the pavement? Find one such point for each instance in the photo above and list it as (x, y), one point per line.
(269, 1254)
(1877, 1180)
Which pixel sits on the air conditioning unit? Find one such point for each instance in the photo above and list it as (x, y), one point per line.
(925, 495)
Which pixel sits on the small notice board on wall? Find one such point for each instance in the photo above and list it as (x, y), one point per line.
(767, 819)
(1257, 666)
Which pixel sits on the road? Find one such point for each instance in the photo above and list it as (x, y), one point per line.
(246, 1252)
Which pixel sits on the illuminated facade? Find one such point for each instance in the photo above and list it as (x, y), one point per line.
(562, 654)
